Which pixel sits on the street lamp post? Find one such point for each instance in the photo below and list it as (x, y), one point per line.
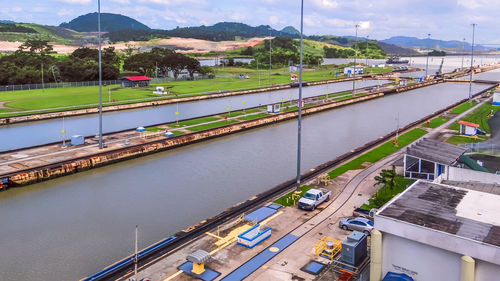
(427, 60)
(471, 62)
(354, 71)
(299, 127)
(366, 49)
(101, 145)
(270, 54)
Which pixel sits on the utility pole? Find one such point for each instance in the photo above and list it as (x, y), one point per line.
(135, 254)
(472, 61)
(270, 54)
(43, 86)
(366, 49)
(299, 127)
(427, 60)
(463, 53)
(354, 71)
(101, 145)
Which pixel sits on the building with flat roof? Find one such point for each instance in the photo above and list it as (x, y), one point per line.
(135, 81)
(439, 232)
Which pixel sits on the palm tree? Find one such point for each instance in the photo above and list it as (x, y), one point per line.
(387, 178)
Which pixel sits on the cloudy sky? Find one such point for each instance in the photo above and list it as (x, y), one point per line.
(444, 19)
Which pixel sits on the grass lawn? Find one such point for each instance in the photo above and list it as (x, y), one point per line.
(479, 116)
(155, 129)
(385, 194)
(463, 139)
(252, 117)
(463, 107)
(378, 153)
(85, 97)
(212, 125)
(436, 122)
(287, 200)
(177, 133)
(194, 121)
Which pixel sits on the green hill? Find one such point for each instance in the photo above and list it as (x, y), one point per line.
(109, 23)
(290, 30)
(53, 34)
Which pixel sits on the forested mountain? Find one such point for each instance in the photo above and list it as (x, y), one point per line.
(223, 31)
(109, 23)
(405, 41)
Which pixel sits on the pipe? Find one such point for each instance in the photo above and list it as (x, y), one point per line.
(467, 268)
(376, 256)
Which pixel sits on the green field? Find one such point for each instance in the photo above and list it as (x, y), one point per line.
(479, 116)
(463, 107)
(436, 122)
(456, 140)
(287, 200)
(378, 153)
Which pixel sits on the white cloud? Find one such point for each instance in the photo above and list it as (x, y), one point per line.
(123, 2)
(274, 19)
(468, 4)
(65, 12)
(76, 2)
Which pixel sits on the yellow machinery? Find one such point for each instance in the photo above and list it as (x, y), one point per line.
(198, 258)
(328, 247)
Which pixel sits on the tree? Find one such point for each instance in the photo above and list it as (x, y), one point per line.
(37, 46)
(192, 66)
(387, 178)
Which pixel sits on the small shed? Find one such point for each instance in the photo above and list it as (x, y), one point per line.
(350, 70)
(427, 159)
(274, 108)
(135, 81)
(468, 128)
(496, 98)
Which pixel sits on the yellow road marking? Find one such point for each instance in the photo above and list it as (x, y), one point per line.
(173, 275)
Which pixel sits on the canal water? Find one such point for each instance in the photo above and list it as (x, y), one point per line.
(71, 227)
(42, 132)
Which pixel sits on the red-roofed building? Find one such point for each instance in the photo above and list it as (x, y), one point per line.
(135, 81)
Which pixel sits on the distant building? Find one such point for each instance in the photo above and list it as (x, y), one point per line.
(135, 81)
(183, 74)
(296, 68)
(468, 128)
(496, 98)
(350, 70)
(439, 232)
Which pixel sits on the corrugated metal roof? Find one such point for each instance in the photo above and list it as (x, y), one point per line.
(435, 151)
(468, 124)
(435, 206)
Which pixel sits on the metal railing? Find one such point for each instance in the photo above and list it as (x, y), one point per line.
(25, 87)
(493, 148)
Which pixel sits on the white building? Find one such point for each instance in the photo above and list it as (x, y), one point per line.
(437, 232)
(184, 74)
(351, 69)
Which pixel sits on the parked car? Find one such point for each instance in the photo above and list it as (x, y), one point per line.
(360, 224)
(313, 197)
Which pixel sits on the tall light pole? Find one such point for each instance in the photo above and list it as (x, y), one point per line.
(366, 49)
(354, 71)
(471, 61)
(299, 127)
(101, 145)
(463, 53)
(270, 54)
(427, 60)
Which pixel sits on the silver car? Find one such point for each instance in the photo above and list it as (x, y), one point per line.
(359, 224)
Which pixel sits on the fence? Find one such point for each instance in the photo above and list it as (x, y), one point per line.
(89, 83)
(492, 148)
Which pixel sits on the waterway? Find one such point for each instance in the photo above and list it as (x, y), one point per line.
(71, 227)
(47, 131)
